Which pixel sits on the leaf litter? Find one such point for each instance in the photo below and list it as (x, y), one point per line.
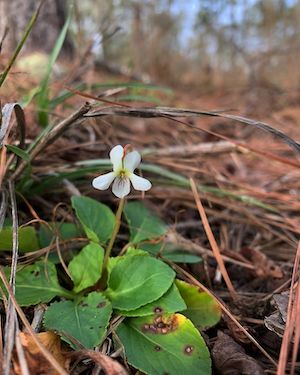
(248, 171)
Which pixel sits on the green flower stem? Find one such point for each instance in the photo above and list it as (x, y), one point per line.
(114, 234)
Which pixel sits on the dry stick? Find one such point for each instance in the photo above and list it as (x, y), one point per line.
(3, 208)
(225, 310)
(21, 354)
(64, 266)
(297, 329)
(49, 357)
(173, 113)
(11, 322)
(185, 150)
(290, 322)
(53, 134)
(212, 241)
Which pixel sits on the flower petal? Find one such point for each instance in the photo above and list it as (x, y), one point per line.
(102, 182)
(140, 183)
(121, 187)
(132, 160)
(116, 155)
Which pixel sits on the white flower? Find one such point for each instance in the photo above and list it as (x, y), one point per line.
(123, 166)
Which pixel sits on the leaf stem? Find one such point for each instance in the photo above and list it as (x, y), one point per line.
(114, 233)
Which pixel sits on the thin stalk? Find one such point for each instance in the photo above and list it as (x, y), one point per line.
(20, 45)
(114, 233)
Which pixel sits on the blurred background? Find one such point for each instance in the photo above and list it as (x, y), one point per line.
(199, 44)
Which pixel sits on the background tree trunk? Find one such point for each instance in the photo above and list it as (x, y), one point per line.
(15, 15)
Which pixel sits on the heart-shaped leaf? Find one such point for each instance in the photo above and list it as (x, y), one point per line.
(80, 323)
(137, 280)
(170, 302)
(143, 224)
(98, 220)
(164, 344)
(86, 267)
(38, 283)
(203, 310)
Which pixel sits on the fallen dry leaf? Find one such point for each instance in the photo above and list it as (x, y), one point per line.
(231, 359)
(277, 320)
(36, 362)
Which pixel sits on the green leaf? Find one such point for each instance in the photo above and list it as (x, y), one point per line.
(203, 310)
(19, 152)
(27, 239)
(64, 230)
(171, 252)
(80, 323)
(170, 302)
(38, 283)
(164, 344)
(131, 251)
(143, 224)
(98, 220)
(86, 267)
(138, 280)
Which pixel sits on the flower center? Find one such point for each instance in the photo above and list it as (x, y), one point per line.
(123, 173)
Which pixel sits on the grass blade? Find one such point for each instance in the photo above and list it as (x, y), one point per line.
(21, 43)
(42, 98)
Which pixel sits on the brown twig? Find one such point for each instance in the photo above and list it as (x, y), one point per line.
(11, 322)
(291, 319)
(181, 112)
(212, 241)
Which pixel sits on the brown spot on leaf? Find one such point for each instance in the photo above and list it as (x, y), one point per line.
(101, 304)
(158, 310)
(157, 348)
(188, 349)
(162, 324)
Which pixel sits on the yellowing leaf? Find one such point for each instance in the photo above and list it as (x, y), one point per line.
(164, 344)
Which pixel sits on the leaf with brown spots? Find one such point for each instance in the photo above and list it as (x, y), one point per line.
(164, 344)
(37, 364)
(231, 359)
(81, 323)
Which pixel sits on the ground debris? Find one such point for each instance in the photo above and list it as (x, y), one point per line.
(108, 364)
(277, 320)
(263, 266)
(231, 359)
(36, 362)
